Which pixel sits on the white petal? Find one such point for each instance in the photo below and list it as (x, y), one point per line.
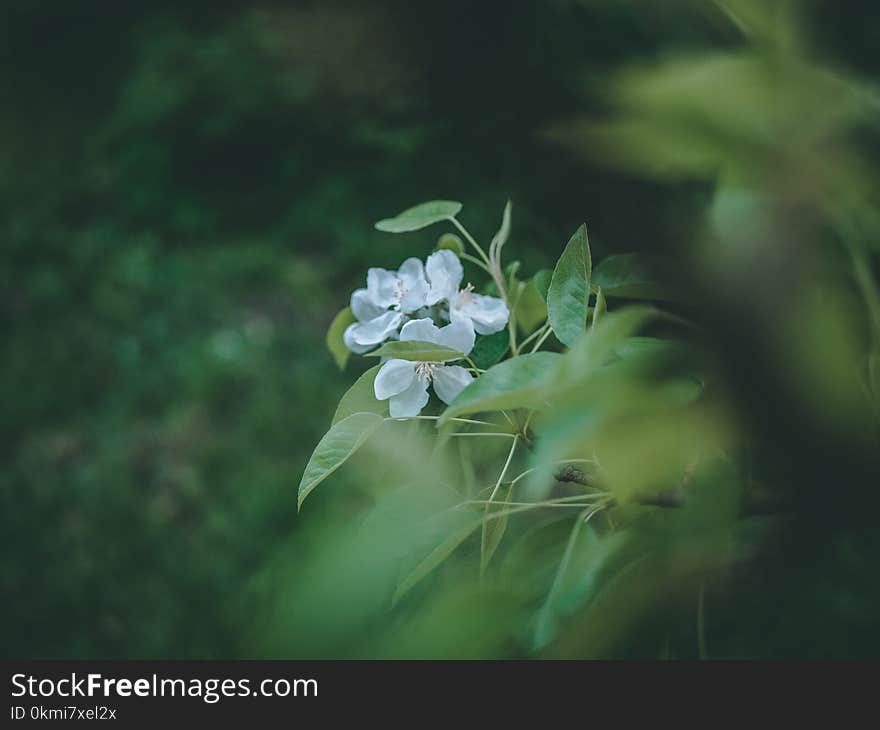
(411, 401)
(348, 339)
(382, 287)
(414, 297)
(411, 272)
(444, 273)
(362, 306)
(458, 335)
(421, 330)
(376, 330)
(394, 377)
(449, 381)
(488, 314)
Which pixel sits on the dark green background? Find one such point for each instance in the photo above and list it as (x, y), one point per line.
(187, 195)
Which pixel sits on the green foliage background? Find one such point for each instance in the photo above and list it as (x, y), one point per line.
(187, 199)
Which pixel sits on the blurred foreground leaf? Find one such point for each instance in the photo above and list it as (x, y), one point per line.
(631, 276)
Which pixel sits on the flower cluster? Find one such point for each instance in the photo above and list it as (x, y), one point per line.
(417, 291)
(408, 304)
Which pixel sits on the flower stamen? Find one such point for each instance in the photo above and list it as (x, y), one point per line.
(401, 291)
(426, 370)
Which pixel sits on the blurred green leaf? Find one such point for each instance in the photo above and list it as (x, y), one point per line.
(648, 348)
(434, 559)
(420, 216)
(337, 445)
(630, 276)
(569, 292)
(334, 336)
(416, 351)
(529, 308)
(541, 280)
(547, 617)
(451, 242)
(874, 373)
(594, 349)
(517, 383)
(495, 528)
(360, 398)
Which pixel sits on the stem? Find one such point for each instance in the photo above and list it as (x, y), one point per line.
(564, 500)
(542, 340)
(474, 260)
(599, 308)
(517, 510)
(531, 504)
(525, 428)
(537, 333)
(494, 270)
(437, 418)
(473, 364)
(504, 470)
(511, 319)
(476, 433)
(563, 461)
(484, 536)
(472, 242)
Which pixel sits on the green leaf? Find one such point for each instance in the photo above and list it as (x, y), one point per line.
(569, 292)
(450, 242)
(541, 280)
(337, 445)
(434, 558)
(416, 351)
(489, 349)
(529, 309)
(334, 336)
(633, 276)
(516, 383)
(420, 216)
(360, 398)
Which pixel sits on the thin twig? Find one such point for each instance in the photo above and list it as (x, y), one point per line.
(542, 340)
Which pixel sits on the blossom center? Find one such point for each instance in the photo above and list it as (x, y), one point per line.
(426, 370)
(465, 294)
(401, 291)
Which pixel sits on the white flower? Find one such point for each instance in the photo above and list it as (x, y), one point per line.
(487, 315)
(380, 308)
(405, 383)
